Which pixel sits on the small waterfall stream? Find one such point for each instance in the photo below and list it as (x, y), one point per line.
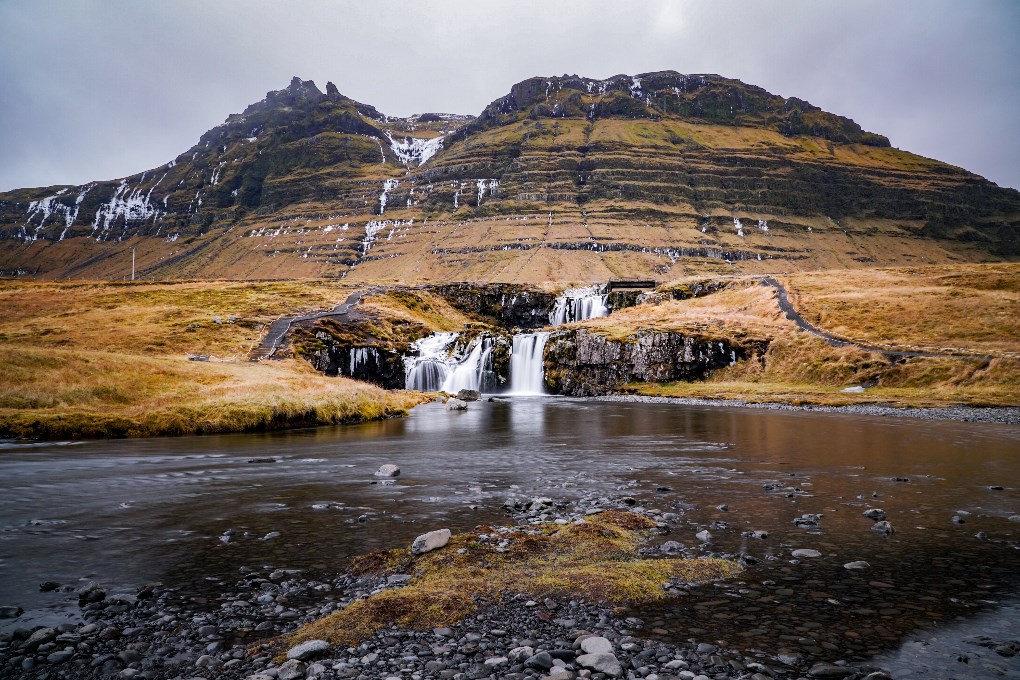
(436, 366)
(527, 371)
(579, 304)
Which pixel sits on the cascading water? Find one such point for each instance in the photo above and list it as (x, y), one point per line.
(436, 368)
(527, 372)
(579, 304)
(431, 367)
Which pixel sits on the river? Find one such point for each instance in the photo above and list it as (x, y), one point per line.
(191, 511)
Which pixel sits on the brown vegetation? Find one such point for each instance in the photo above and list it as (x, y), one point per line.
(109, 359)
(596, 559)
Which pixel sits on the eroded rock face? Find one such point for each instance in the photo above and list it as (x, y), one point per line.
(511, 306)
(581, 363)
(378, 365)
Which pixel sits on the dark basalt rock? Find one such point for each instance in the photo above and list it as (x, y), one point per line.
(581, 363)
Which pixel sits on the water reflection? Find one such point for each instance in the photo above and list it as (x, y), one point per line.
(129, 512)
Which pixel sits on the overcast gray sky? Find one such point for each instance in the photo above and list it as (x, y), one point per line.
(99, 89)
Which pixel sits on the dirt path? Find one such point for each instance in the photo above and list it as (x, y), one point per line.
(279, 328)
(793, 315)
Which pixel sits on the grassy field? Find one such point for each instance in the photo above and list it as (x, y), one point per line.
(962, 308)
(111, 359)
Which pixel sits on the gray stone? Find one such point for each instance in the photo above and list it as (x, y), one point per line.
(40, 637)
(806, 553)
(703, 536)
(828, 670)
(430, 541)
(859, 564)
(494, 661)
(388, 470)
(602, 663)
(455, 404)
(291, 670)
(856, 389)
(883, 527)
(307, 650)
(469, 395)
(876, 514)
(9, 612)
(520, 654)
(543, 661)
(596, 645)
(60, 657)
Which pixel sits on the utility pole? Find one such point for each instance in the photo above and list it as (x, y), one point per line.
(132, 264)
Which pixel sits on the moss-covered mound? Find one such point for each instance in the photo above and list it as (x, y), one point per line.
(596, 560)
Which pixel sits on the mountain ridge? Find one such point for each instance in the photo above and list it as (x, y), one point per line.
(655, 168)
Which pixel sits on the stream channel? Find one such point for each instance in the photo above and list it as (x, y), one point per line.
(130, 512)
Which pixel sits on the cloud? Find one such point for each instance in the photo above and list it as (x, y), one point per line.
(103, 88)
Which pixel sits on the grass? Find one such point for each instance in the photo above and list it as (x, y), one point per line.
(110, 360)
(967, 308)
(596, 560)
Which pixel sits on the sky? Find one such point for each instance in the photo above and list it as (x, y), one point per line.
(100, 89)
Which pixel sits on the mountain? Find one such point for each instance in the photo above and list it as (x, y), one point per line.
(563, 179)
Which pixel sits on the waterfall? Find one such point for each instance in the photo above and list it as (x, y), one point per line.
(474, 372)
(430, 368)
(527, 372)
(579, 304)
(435, 368)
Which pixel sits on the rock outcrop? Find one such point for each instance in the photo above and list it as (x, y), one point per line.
(581, 363)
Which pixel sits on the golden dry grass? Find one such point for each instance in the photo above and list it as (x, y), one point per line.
(596, 560)
(108, 359)
(970, 308)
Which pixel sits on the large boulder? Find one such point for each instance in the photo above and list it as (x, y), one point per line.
(307, 650)
(388, 470)
(602, 663)
(469, 395)
(455, 404)
(430, 541)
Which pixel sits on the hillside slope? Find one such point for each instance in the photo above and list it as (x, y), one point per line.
(563, 179)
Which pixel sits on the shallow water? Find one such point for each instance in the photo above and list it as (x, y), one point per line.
(129, 512)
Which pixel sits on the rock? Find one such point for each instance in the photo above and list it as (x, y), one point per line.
(291, 670)
(519, 655)
(958, 520)
(671, 547)
(307, 650)
(430, 541)
(48, 586)
(40, 637)
(876, 514)
(494, 661)
(756, 533)
(828, 670)
(469, 395)
(602, 663)
(542, 661)
(855, 566)
(388, 470)
(856, 389)
(9, 612)
(808, 520)
(596, 645)
(806, 553)
(455, 404)
(1014, 518)
(703, 536)
(61, 656)
(883, 528)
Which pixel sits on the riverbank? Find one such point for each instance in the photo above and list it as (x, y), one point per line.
(263, 625)
(1007, 415)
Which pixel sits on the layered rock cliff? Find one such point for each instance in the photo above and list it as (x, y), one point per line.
(562, 179)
